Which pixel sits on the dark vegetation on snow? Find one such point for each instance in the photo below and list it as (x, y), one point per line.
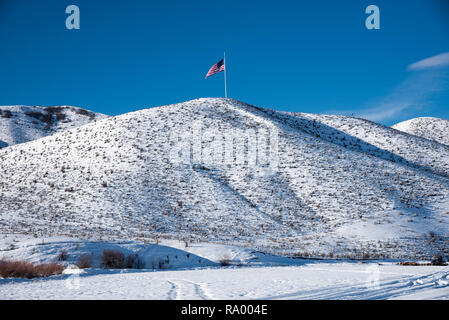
(25, 269)
(115, 259)
(50, 115)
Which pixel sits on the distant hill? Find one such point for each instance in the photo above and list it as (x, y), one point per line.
(435, 129)
(19, 124)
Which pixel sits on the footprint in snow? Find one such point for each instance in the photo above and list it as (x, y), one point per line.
(442, 283)
(417, 282)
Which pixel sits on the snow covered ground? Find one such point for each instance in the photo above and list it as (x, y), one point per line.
(20, 124)
(314, 280)
(252, 180)
(427, 127)
(252, 275)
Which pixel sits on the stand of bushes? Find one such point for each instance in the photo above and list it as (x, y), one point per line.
(115, 259)
(110, 259)
(25, 269)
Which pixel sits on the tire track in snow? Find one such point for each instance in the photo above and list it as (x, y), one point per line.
(172, 293)
(200, 291)
(183, 289)
(386, 289)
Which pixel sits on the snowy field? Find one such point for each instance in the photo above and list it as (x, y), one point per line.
(195, 273)
(310, 281)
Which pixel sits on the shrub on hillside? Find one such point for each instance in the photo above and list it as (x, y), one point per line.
(6, 114)
(34, 114)
(63, 255)
(133, 261)
(225, 260)
(60, 116)
(163, 263)
(84, 262)
(82, 112)
(25, 269)
(112, 259)
(437, 260)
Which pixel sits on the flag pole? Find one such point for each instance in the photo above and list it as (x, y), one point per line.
(226, 90)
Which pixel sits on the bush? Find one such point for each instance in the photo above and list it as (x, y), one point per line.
(225, 260)
(133, 261)
(58, 111)
(112, 259)
(82, 112)
(46, 118)
(48, 269)
(34, 114)
(62, 256)
(60, 116)
(6, 114)
(409, 263)
(25, 269)
(163, 263)
(437, 260)
(84, 262)
(115, 259)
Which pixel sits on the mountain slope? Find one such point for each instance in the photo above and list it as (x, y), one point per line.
(369, 137)
(435, 129)
(317, 185)
(19, 124)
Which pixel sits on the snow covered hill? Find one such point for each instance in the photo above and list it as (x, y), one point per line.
(19, 124)
(218, 170)
(435, 129)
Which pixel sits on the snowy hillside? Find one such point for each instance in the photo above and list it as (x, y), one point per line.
(19, 124)
(435, 129)
(311, 185)
(167, 254)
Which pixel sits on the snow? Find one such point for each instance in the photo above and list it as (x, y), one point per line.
(330, 186)
(343, 187)
(252, 275)
(195, 255)
(20, 124)
(435, 129)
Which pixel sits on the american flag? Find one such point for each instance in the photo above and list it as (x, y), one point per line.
(216, 68)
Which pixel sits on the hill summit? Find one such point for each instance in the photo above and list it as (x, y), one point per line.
(435, 129)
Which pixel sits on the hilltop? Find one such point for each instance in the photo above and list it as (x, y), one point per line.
(435, 129)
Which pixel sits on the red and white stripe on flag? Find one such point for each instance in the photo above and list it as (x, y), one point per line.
(216, 68)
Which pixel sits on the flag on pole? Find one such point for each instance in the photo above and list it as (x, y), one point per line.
(216, 68)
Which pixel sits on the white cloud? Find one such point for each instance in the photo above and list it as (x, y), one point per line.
(438, 61)
(412, 96)
(382, 114)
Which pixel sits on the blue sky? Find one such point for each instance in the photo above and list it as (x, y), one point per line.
(304, 56)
